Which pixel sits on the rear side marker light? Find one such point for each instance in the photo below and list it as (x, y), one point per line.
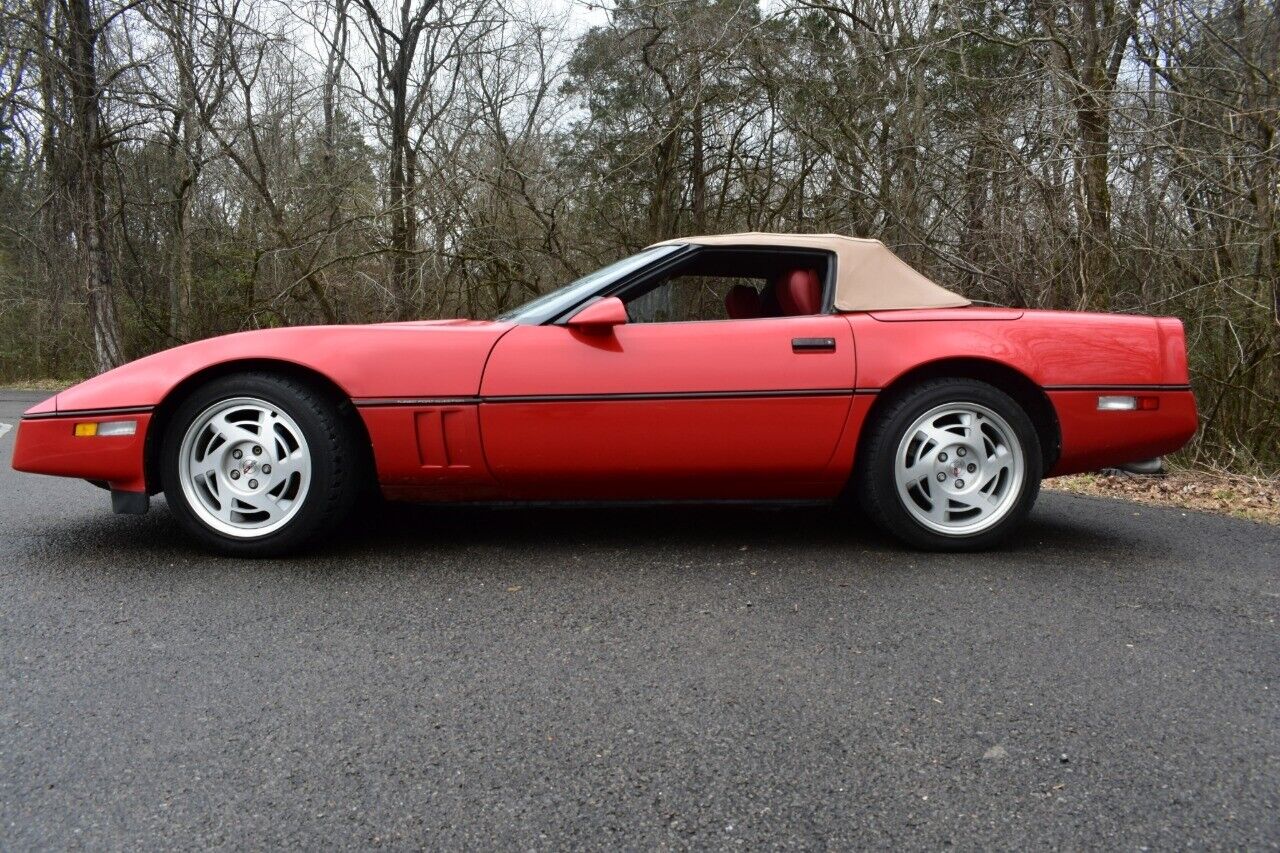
(106, 429)
(1117, 404)
(1125, 403)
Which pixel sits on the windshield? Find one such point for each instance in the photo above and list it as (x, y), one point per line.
(550, 305)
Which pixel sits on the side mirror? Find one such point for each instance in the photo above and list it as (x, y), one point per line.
(599, 316)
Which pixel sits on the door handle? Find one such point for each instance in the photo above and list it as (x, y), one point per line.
(813, 344)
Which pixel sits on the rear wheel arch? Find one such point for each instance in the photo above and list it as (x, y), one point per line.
(1026, 393)
(162, 415)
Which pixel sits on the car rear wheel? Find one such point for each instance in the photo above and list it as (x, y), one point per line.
(259, 465)
(951, 464)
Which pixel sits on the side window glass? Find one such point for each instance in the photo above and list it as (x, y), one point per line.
(685, 298)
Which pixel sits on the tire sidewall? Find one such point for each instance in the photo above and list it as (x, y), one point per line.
(882, 490)
(290, 398)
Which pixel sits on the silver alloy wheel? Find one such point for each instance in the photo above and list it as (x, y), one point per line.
(244, 467)
(959, 469)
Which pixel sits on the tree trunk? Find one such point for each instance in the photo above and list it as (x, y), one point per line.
(90, 196)
(661, 212)
(181, 280)
(399, 196)
(329, 96)
(1096, 230)
(53, 216)
(699, 170)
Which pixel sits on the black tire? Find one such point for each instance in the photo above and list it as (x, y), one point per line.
(338, 474)
(875, 481)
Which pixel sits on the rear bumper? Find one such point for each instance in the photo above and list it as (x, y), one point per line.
(1092, 439)
(49, 445)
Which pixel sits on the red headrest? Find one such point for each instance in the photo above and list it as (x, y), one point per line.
(799, 293)
(742, 303)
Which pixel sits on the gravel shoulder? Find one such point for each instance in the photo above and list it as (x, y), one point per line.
(1252, 498)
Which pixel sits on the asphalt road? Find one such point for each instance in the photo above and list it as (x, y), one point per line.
(579, 678)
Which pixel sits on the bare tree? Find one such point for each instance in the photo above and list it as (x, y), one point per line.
(88, 141)
(1086, 46)
(395, 42)
(186, 168)
(183, 25)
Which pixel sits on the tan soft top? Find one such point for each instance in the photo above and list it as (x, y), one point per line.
(869, 277)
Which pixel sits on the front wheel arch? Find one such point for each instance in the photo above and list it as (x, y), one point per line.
(163, 413)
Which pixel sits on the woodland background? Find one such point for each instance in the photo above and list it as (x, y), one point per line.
(175, 170)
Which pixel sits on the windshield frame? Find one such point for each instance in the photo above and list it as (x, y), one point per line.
(555, 304)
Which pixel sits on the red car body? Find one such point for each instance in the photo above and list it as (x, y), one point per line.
(728, 409)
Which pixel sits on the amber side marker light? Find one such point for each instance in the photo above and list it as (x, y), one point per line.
(106, 429)
(1123, 403)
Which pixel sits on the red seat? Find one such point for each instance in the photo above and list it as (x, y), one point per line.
(799, 293)
(742, 303)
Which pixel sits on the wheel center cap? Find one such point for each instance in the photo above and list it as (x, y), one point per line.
(247, 466)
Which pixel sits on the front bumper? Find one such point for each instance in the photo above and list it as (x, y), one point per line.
(48, 445)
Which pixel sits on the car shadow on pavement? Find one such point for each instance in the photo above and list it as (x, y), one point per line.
(419, 528)
(672, 526)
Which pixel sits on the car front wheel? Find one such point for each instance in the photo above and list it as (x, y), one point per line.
(258, 464)
(951, 464)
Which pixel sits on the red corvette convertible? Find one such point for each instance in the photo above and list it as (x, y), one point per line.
(733, 367)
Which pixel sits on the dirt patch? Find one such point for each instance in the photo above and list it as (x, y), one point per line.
(1254, 498)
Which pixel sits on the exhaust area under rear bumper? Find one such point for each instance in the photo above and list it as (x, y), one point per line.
(1144, 466)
